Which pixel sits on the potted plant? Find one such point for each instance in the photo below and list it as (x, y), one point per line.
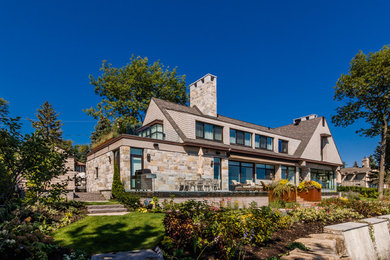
(309, 190)
(281, 190)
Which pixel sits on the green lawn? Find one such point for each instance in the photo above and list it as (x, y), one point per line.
(110, 202)
(102, 234)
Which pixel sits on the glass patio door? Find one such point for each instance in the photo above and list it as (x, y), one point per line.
(136, 163)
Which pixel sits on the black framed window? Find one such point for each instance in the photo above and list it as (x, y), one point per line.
(264, 142)
(283, 146)
(96, 172)
(240, 137)
(288, 173)
(208, 131)
(136, 163)
(240, 172)
(265, 172)
(154, 131)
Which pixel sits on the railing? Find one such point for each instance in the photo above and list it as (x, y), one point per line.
(353, 183)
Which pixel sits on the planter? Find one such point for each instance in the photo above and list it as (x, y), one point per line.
(310, 195)
(286, 197)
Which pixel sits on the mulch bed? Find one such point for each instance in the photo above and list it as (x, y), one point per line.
(277, 245)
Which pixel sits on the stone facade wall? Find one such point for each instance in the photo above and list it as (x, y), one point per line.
(170, 167)
(203, 94)
(105, 165)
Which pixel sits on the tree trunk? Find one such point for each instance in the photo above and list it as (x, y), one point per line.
(382, 161)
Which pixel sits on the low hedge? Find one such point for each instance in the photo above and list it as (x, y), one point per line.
(118, 191)
(363, 191)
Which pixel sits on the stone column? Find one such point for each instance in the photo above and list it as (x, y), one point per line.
(297, 176)
(278, 172)
(125, 166)
(225, 174)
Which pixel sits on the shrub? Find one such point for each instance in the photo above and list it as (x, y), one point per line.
(363, 191)
(118, 191)
(308, 185)
(325, 214)
(282, 187)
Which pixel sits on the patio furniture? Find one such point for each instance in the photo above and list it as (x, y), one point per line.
(200, 185)
(207, 184)
(236, 185)
(216, 185)
(191, 184)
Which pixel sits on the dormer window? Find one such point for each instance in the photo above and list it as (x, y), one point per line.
(208, 131)
(264, 142)
(240, 137)
(283, 146)
(154, 131)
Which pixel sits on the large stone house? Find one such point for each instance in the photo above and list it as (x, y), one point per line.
(181, 146)
(359, 176)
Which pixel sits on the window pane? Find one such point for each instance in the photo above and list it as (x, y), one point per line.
(248, 139)
(260, 171)
(263, 142)
(234, 173)
(218, 133)
(208, 132)
(199, 129)
(154, 135)
(217, 168)
(136, 151)
(153, 128)
(160, 136)
(257, 141)
(240, 137)
(159, 128)
(270, 143)
(232, 136)
(246, 172)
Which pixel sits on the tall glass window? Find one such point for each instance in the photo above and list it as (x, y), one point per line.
(136, 163)
(265, 171)
(208, 131)
(288, 173)
(232, 136)
(234, 173)
(248, 139)
(323, 177)
(246, 172)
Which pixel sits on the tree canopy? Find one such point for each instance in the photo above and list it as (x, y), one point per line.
(365, 91)
(127, 91)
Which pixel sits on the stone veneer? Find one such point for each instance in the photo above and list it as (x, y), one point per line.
(169, 167)
(203, 95)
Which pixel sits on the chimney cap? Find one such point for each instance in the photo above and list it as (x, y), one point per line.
(212, 77)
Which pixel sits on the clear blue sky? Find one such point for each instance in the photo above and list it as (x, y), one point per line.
(275, 60)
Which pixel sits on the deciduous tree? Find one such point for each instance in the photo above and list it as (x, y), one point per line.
(127, 91)
(365, 91)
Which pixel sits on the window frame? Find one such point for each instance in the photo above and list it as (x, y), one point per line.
(281, 141)
(204, 133)
(147, 131)
(240, 132)
(266, 142)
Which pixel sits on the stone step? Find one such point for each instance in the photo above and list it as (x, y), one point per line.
(105, 206)
(298, 254)
(322, 246)
(107, 210)
(89, 196)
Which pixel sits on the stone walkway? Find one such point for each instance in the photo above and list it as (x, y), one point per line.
(132, 255)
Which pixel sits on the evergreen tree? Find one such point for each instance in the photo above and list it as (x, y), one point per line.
(117, 185)
(48, 125)
(102, 128)
(355, 164)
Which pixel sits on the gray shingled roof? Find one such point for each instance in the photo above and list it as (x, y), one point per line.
(356, 170)
(303, 131)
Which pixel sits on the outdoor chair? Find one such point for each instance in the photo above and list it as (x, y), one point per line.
(207, 184)
(191, 184)
(216, 185)
(200, 185)
(236, 184)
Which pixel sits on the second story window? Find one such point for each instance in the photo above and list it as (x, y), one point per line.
(240, 137)
(283, 146)
(264, 142)
(154, 131)
(208, 131)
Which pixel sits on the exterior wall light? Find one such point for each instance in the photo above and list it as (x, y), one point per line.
(148, 157)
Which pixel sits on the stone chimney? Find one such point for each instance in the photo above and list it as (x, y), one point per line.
(365, 163)
(203, 95)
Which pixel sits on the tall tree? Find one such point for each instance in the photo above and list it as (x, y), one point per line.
(355, 164)
(127, 91)
(47, 124)
(365, 89)
(102, 128)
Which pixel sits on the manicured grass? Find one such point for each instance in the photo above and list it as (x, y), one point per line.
(110, 202)
(102, 234)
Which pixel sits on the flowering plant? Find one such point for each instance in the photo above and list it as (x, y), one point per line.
(308, 185)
